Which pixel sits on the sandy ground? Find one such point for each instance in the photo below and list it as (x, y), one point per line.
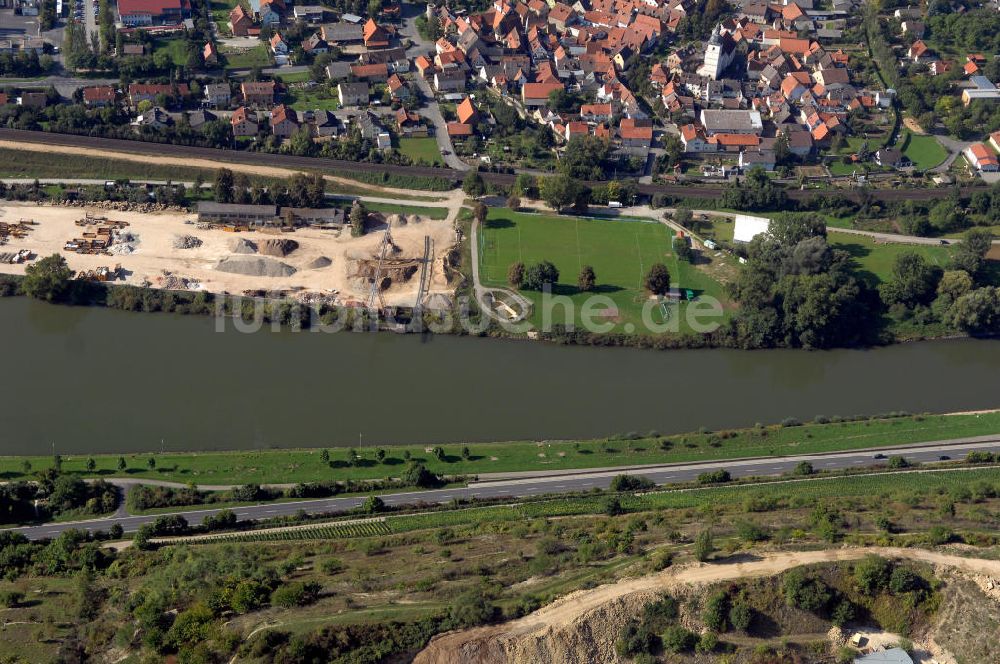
(567, 610)
(156, 253)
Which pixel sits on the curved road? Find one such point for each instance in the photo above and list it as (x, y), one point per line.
(559, 482)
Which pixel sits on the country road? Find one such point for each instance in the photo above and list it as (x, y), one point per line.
(562, 482)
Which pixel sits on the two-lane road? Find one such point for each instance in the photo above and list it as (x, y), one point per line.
(562, 482)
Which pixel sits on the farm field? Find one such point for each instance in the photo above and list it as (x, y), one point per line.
(924, 151)
(421, 149)
(621, 253)
(305, 465)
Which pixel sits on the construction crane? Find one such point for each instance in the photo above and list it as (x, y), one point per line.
(376, 289)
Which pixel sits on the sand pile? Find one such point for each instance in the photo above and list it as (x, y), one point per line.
(318, 263)
(186, 242)
(279, 248)
(255, 267)
(239, 245)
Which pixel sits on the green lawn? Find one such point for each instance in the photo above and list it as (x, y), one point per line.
(924, 151)
(257, 56)
(304, 465)
(620, 251)
(875, 261)
(297, 77)
(421, 149)
(176, 48)
(317, 98)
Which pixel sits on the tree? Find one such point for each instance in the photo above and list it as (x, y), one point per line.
(871, 574)
(540, 275)
(677, 639)
(658, 279)
(357, 218)
(914, 281)
(976, 312)
(151, 463)
(971, 253)
(515, 275)
(373, 505)
(380, 455)
(514, 202)
(25, 467)
(479, 211)
(223, 186)
(587, 279)
(416, 474)
(559, 191)
(47, 279)
(804, 468)
(324, 456)
(716, 613)
(121, 463)
(740, 615)
(953, 285)
(473, 184)
(91, 464)
(683, 217)
(704, 545)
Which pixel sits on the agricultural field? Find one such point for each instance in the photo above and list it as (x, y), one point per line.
(289, 466)
(924, 151)
(421, 150)
(620, 252)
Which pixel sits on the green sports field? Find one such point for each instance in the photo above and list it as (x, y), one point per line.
(620, 251)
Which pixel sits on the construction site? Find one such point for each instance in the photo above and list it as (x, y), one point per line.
(400, 261)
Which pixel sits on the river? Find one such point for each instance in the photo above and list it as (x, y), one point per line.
(98, 380)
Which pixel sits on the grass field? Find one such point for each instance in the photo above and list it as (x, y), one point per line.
(304, 465)
(621, 253)
(317, 98)
(389, 208)
(29, 164)
(924, 151)
(875, 261)
(246, 58)
(421, 149)
(176, 48)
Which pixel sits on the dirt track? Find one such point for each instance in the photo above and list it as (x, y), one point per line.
(486, 644)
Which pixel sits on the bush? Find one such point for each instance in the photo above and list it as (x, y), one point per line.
(676, 639)
(903, 580)
(716, 613)
(939, 535)
(871, 574)
(11, 598)
(715, 477)
(980, 457)
(750, 532)
(635, 640)
(740, 615)
(331, 566)
(804, 592)
(704, 546)
(708, 643)
(631, 483)
(804, 468)
(296, 594)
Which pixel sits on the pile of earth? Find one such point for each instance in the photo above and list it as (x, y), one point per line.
(319, 262)
(275, 247)
(239, 245)
(397, 220)
(255, 267)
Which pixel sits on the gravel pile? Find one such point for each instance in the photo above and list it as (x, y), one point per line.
(187, 242)
(275, 247)
(239, 245)
(317, 263)
(255, 267)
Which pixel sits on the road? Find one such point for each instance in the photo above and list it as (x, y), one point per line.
(431, 110)
(559, 482)
(154, 150)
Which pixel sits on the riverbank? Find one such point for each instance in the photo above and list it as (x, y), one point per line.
(373, 463)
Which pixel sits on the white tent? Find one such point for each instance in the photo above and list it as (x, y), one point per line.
(747, 228)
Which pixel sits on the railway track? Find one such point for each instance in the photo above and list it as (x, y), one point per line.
(451, 175)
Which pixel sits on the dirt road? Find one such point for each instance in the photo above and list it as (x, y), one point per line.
(487, 644)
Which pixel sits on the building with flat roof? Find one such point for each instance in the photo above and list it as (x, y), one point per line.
(747, 228)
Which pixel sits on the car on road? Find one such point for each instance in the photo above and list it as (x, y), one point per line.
(879, 456)
(944, 457)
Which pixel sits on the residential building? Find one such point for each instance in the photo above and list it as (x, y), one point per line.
(99, 96)
(452, 80)
(353, 94)
(244, 123)
(258, 94)
(138, 92)
(241, 23)
(218, 95)
(731, 122)
(284, 122)
(982, 158)
(537, 94)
